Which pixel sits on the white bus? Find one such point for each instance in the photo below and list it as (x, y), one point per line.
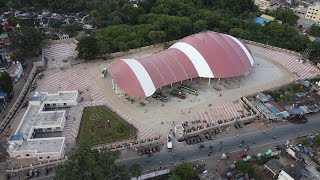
(169, 142)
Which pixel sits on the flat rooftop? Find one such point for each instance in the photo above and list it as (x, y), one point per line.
(42, 145)
(35, 117)
(60, 96)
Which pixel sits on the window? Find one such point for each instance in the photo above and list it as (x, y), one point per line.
(27, 155)
(40, 157)
(48, 157)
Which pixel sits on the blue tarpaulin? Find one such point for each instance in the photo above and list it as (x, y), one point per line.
(3, 94)
(260, 20)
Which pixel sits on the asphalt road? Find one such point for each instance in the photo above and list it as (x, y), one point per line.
(229, 144)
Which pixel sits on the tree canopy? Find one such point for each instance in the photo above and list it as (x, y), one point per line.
(183, 171)
(123, 26)
(6, 83)
(244, 167)
(87, 48)
(16, 55)
(285, 15)
(27, 39)
(86, 163)
(314, 31)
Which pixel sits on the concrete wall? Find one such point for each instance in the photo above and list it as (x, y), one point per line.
(19, 101)
(270, 47)
(132, 51)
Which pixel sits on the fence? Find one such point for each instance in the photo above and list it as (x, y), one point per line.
(20, 99)
(246, 101)
(49, 163)
(132, 51)
(270, 47)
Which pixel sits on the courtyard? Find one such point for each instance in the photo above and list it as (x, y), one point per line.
(99, 125)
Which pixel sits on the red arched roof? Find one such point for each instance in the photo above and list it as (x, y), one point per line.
(206, 54)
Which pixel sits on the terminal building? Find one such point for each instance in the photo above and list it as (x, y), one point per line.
(39, 134)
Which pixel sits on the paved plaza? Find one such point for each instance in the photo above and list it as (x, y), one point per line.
(289, 61)
(227, 111)
(60, 54)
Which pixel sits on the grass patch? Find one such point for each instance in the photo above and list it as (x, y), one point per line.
(100, 125)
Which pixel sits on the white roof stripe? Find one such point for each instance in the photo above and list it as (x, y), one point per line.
(244, 49)
(142, 75)
(196, 58)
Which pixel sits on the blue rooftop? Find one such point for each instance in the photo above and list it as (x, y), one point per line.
(16, 138)
(316, 39)
(260, 20)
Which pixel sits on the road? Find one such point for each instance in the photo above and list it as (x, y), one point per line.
(229, 144)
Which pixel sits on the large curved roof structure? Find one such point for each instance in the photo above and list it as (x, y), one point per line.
(206, 54)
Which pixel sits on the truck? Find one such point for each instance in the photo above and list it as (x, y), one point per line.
(160, 96)
(178, 93)
(169, 142)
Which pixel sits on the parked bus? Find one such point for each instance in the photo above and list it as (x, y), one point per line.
(188, 90)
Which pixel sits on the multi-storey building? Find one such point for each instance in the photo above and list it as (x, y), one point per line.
(313, 12)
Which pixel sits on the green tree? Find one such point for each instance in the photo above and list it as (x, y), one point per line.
(314, 31)
(157, 36)
(244, 167)
(71, 29)
(16, 55)
(86, 163)
(285, 15)
(184, 171)
(27, 40)
(87, 48)
(56, 24)
(6, 83)
(13, 21)
(1, 29)
(199, 25)
(135, 170)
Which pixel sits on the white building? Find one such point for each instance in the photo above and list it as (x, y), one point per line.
(39, 132)
(267, 4)
(15, 70)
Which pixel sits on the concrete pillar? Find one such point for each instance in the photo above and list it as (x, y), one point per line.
(191, 79)
(171, 85)
(219, 81)
(181, 82)
(112, 83)
(209, 81)
(116, 88)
